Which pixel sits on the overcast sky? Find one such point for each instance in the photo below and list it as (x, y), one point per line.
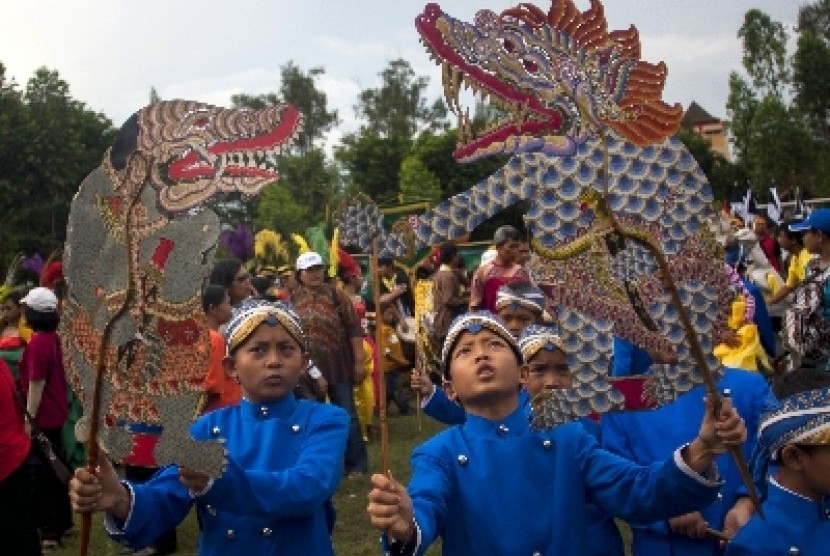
(112, 51)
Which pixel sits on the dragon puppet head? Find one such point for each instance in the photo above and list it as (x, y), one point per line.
(560, 77)
(189, 151)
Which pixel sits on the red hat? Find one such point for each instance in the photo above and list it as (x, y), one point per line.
(51, 274)
(346, 264)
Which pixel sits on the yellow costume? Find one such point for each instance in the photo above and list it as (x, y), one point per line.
(750, 354)
(364, 393)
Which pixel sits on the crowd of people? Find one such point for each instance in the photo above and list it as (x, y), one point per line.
(292, 387)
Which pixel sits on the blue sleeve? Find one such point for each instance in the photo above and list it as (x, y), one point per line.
(629, 359)
(429, 487)
(157, 506)
(762, 320)
(296, 491)
(442, 409)
(640, 494)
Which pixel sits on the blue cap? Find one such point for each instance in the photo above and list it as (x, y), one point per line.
(819, 219)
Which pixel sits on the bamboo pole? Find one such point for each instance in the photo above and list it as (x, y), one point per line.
(380, 343)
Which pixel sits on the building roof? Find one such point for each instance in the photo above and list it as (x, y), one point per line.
(696, 115)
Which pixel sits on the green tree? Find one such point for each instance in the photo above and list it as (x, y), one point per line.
(308, 182)
(815, 19)
(765, 52)
(435, 151)
(398, 107)
(298, 88)
(278, 210)
(373, 163)
(740, 108)
(811, 82)
(780, 150)
(721, 173)
(48, 143)
(417, 183)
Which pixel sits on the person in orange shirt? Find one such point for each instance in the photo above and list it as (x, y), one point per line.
(221, 390)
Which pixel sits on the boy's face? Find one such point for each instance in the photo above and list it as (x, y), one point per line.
(547, 370)
(483, 366)
(760, 226)
(268, 364)
(240, 288)
(223, 311)
(390, 316)
(812, 241)
(784, 241)
(516, 318)
(509, 251)
(9, 311)
(813, 465)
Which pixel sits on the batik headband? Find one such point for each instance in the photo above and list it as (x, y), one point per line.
(474, 323)
(524, 295)
(535, 338)
(802, 418)
(252, 313)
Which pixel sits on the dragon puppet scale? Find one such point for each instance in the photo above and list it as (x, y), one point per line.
(606, 186)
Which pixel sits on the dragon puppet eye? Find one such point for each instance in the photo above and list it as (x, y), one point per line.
(508, 45)
(201, 121)
(530, 66)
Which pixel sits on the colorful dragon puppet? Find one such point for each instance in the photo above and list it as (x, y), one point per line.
(614, 201)
(138, 250)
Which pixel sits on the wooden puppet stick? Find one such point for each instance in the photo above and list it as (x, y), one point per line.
(101, 369)
(719, 535)
(691, 334)
(384, 428)
(697, 354)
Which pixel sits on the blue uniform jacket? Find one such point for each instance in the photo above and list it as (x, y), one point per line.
(649, 436)
(791, 522)
(502, 488)
(285, 460)
(603, 536)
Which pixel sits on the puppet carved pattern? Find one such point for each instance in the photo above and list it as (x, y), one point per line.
(589, 139)
(139, 247)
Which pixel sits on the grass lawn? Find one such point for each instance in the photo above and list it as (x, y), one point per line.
(353, 536)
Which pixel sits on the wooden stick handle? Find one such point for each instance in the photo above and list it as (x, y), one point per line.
(719, 535)
(379, 342)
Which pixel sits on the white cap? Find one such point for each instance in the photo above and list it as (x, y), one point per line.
(309, 259)
(41, 299)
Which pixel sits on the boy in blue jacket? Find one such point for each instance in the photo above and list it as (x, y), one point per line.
(495, 486)
(285, 457)
(796, 440)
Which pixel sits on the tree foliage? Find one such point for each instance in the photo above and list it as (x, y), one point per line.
(48, 143)
(776, 140)
(308, 183)
(417, 183)
(299, 88)
(765, 52)
(398, 107)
